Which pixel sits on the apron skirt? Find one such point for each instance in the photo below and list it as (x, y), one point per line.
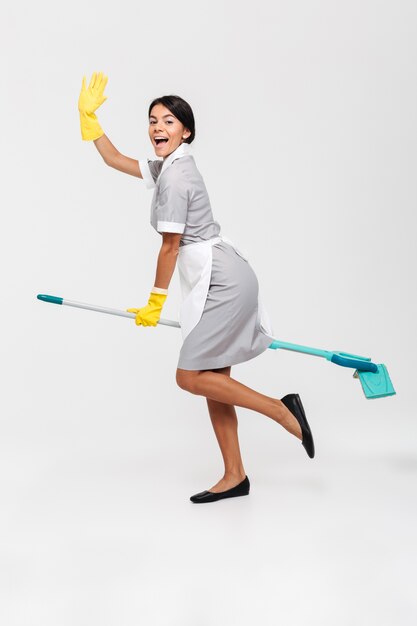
(228, 331)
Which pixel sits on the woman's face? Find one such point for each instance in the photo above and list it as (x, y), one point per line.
(162, 123)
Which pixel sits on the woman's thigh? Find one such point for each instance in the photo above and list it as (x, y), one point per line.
(186, 378)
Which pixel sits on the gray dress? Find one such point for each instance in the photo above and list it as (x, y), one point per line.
(228, 331)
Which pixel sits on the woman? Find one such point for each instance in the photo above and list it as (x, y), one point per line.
(221, 316)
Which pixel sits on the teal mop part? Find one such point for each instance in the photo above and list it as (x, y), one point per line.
(374, 379)
(376, 385)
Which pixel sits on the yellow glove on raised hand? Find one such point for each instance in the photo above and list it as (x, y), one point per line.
(90, 99)
(149, 315)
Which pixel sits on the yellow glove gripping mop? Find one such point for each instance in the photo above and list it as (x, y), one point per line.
(149, 315)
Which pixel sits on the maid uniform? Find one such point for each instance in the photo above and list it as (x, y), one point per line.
(221, 315)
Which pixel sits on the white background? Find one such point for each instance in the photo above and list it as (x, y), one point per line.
(306, 139)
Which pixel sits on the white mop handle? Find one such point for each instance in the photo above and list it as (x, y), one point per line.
(99, 309)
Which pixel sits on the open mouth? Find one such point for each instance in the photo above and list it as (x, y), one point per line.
(160, 141)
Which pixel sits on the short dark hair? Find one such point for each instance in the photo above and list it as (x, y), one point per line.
(182, 111)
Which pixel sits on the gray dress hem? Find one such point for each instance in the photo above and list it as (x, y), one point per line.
(225, 361)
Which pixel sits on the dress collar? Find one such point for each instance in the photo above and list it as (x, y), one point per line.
(182, 150)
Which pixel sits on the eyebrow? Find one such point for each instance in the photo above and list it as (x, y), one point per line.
(167, 115)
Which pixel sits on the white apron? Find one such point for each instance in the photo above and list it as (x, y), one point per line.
(194, 267)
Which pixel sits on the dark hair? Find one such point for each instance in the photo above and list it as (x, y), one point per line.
(182, 111)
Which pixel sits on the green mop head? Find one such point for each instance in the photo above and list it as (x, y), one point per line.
(376, 384)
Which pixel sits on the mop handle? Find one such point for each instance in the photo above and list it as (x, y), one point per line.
(99, 309)
(344, 359)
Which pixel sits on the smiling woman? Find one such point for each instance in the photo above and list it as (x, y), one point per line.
(171, 122)
(222, 319)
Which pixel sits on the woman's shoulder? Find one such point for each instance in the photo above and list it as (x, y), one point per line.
(183, 169)
(184, 164)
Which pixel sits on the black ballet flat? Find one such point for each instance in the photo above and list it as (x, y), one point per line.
(242, 489)
(293, 402)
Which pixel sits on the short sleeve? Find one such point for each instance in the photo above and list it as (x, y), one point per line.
(150, 171)
(172, 203)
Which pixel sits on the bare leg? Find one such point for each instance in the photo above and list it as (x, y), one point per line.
(222, 388)
(224, 420)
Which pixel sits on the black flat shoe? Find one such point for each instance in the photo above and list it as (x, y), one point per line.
(293, 402)
(242, 489)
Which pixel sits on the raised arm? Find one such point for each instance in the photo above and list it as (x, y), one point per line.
(114, 158)
(89, 101)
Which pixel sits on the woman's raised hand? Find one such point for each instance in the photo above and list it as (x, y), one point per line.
(90, 99)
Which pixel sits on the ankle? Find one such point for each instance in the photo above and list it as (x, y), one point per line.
(281, 411)
(235, 473)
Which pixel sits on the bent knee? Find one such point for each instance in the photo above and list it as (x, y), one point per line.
(186, 379)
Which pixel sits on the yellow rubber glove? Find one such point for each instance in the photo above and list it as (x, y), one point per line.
(90, 99)
(149, 315)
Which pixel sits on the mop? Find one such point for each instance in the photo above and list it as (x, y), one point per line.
(374, 379)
